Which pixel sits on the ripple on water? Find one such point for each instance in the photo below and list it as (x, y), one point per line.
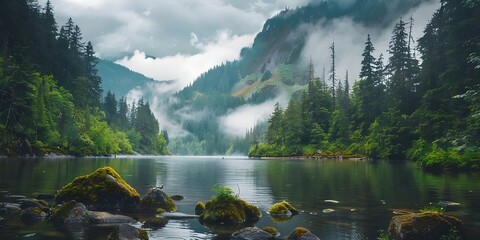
(181, 229)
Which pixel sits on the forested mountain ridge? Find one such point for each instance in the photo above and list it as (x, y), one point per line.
(50, 92)
(119, 79)
(427, 112)
(272, 68)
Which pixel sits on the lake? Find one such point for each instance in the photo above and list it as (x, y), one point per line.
(367, 192)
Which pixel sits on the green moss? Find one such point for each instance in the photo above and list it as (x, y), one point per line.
(299, 231)
(420, 225)
(157, 198)
(229, 211)
(273, 231)
(199, 208)
(160, 211)
(103, 188)
(37, 210)
(383, 236)
(64, 209)
(143, 234)
(432, 209)
(282, 208)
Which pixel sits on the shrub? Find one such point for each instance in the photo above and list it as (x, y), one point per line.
(223, 193)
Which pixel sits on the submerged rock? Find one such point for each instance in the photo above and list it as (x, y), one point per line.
(252, 233)
(282, 209)
(107, 218)
(127, 232)
(425, 226)
(73, 212)
(103, 189)
(155, 223)
(175, 215)
(301, 233)
(155, 199)
(177, 197)
(328, 210)
(229, 211)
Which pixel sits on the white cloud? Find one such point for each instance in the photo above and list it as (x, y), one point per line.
(350, 38)
(245, 117)
(193, 38)
(239, 120)
(184, 67)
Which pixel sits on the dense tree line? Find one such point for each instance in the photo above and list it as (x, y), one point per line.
(138, 122)
(49, 88)
(424, 111)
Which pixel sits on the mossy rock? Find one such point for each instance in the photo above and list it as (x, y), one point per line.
(427, 226)
(199, 208)
(301, 233)
(282, 209)
(103, 189)
(156, 199)
(229, 211)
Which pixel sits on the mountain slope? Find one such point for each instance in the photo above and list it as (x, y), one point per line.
(273, 69)
(119, 79)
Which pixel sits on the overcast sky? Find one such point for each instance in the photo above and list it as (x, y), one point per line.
(186, 36)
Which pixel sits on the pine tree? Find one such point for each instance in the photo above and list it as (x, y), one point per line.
(400, 69)
(274, 134)
(370, 90)
(333, 73)
(110, 107)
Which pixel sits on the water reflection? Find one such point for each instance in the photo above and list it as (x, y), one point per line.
(367, 193)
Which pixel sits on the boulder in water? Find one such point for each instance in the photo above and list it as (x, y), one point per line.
(199, 208)
(425, 226)
(229, 211)
(127, 232)
(103, 189)
(155, 199)
(301, 233)
(73, 212)
(252, 233)
(282, 209)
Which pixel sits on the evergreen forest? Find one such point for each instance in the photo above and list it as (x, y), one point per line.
(401, 107)
(51, 97)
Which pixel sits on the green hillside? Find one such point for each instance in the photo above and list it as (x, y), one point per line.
(119, 79)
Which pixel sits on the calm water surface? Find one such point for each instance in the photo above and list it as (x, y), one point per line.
(367, 192)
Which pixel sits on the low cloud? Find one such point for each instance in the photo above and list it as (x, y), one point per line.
(238, 121)
(350, 38)
(185, 68)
